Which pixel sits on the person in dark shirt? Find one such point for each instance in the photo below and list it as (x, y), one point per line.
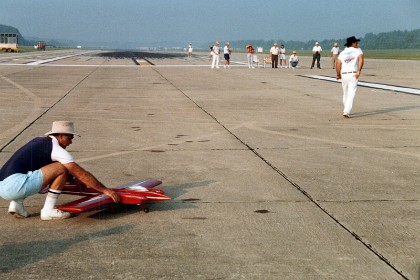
(43, 162)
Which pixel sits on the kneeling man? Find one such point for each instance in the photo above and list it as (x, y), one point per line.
(44, 162)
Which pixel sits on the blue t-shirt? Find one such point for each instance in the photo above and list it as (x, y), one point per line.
(32, 156)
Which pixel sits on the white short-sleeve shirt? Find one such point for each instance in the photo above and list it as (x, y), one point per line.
(349, 59)
(275, 50)
(335, 50)
(59, 153)
(317, 49)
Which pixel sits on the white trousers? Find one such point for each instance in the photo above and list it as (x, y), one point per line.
(349, 84)
(215, 61)
(250, 57)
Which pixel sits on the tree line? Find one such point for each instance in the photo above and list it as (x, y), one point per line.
(385, 40)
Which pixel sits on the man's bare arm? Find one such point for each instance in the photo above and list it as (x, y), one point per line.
(361, 61)
(89, 180)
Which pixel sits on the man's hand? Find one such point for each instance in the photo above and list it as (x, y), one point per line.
(89, 180)
(113, 194)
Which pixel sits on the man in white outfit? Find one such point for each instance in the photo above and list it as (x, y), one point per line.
(190, 50)
(215, 53)
(349, 66)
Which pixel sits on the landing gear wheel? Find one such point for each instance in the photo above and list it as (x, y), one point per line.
(146, 210)
(112, 209)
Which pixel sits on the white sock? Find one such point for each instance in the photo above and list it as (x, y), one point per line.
(51, 199)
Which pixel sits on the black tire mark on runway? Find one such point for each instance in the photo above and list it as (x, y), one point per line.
(293, 183)
(48, 109)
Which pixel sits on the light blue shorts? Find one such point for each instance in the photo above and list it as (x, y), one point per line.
(21, 185)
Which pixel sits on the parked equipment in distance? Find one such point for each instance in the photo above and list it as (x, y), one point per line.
(9, 42)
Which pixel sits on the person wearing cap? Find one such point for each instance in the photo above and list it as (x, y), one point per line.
(293, 60)
(226, 54)
(274, 51)
(316, 55)
(44, 162)
(335, 51)
(349, 67)
(215, 51)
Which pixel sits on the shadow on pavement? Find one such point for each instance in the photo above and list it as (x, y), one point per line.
(15, 256)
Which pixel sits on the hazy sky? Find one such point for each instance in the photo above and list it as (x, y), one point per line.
(146, 21)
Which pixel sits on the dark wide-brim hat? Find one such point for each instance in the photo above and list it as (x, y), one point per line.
(351, 40)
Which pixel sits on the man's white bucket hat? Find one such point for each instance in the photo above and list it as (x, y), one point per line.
(62, 127)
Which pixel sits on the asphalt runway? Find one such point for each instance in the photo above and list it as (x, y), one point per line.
(268, 180)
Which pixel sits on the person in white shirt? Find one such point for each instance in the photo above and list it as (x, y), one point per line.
(283, 56)
(335, 51)
(215, 51)
(190, 50)
(226, 54)
(293, 60)
(349, 67)
(274, 52)
(316, 51)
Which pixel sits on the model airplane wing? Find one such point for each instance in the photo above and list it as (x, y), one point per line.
(133, 193)
(87, 204)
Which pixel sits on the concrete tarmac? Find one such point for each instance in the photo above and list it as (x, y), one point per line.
(268, 180)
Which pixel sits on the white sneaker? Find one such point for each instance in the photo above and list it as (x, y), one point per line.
(16, 208)
(54, 214)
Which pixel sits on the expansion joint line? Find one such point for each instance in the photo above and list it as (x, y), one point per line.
(47, 110)
(294, 184)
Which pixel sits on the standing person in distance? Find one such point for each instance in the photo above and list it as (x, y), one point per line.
(316, 55)
(274, 52)
(282, 56)
(190, 50)
(250, 55)
(349, 67)
(215, 51)
(335, 51)
(226, 54)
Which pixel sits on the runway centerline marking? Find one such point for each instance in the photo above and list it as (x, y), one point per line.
(38, 62)
(401, 89)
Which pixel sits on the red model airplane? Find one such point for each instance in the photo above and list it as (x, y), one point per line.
(135, 193)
